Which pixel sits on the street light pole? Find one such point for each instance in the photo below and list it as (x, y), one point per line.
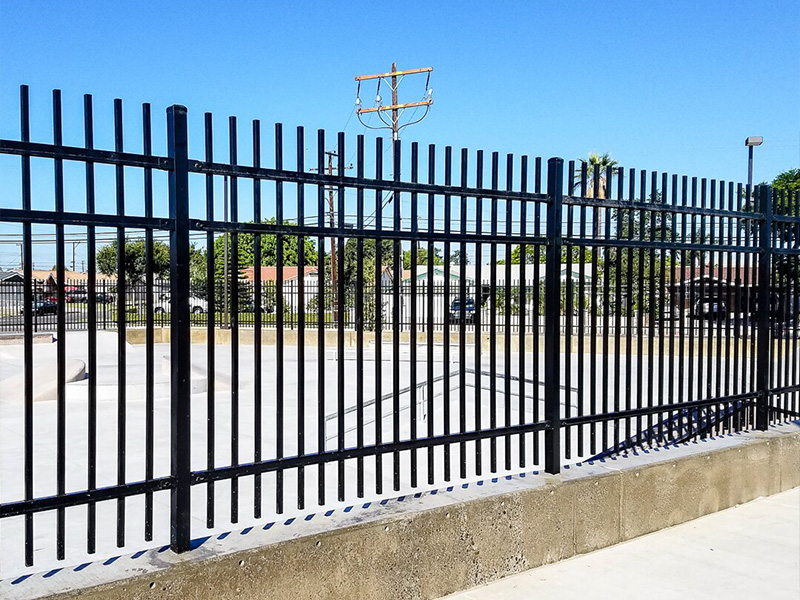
(751, 142)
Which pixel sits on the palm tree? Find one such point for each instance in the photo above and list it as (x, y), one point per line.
(596, 164)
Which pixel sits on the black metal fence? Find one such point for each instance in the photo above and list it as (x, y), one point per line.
(659, 308)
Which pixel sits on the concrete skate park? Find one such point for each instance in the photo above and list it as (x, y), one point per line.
(76, 394)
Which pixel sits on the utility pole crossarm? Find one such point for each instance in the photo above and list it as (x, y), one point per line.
(393, 79)
(394, 74)
(394, 106)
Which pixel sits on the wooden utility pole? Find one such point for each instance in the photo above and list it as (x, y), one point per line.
(393, 79)
(330, 154)
(395, 113)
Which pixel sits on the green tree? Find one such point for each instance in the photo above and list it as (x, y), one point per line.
(787, 184)
(530, 255)
(134, 261)
(245, 243)
(456, 258)
(633, 266)
(422, 257)
(269, 250)
(787, 181)
(599, 163)
(369, 266)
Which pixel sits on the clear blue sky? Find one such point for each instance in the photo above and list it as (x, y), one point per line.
(666, 86)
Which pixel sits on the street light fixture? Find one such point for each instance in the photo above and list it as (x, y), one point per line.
(751, 142)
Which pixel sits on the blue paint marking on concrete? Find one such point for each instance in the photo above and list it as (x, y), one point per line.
(309, 517)
(494, 479)
(194, 544)
(434, 492)
(51, 573)
(566, 466)
(268, 526)
(464, 486)
(140, 553)
(347, 510)
(479, 482)
(289, 521)
(81, 567)
(366, 505)
(401, 498)
(418, 495)
(328, 513)
(222, 536)
(384, 502)
(111, 561)
(163, 549)
(245, 531)
(19, 580)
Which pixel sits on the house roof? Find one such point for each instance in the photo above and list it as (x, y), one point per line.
(10, 275)
(68, 275)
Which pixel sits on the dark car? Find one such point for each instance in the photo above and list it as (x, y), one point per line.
(42, 307)
(712, 309)
(456, 311)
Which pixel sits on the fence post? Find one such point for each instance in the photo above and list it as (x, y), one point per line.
(764, 349)
(552, 317)
(180, 347)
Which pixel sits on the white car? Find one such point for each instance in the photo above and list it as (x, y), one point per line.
(164, 305)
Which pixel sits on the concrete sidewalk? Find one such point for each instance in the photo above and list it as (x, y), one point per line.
(750, 551)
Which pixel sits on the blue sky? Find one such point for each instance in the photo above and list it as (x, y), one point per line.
(673, 87)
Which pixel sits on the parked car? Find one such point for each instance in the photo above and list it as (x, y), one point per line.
(54, 297)
(456, 311)
(42, 307)
(164, 304)
(712, 309)
(104, 298)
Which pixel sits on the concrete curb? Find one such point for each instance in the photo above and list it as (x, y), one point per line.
(435, 543)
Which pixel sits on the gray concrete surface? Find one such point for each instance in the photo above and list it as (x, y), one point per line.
(448, 539)
(749, 551)
(106, 376)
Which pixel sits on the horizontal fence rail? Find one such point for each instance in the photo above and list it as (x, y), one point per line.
(307, 335)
